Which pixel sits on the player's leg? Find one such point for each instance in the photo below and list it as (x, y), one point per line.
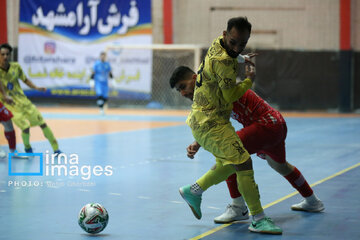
(36, 119)
(105, 96)
(249, 189)
(276, 157)
(50, 137)
(211, 141)
(25, 135)
(21, 122)
(226, 146)
(192, 193)
(237, 210)
(311, 202)
(10, 136)
(246, 182)
(5, 119)
(100, 100)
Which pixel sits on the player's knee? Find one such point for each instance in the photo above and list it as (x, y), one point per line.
(100, 101)
(247, 165)
(27, 130)
(8, 126)
(282, 168)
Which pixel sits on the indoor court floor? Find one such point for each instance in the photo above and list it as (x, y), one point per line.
(147, 152)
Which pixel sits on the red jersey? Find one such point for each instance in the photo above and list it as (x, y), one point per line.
(251, 108)
(5, 114)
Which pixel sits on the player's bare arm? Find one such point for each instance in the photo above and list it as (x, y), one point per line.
(33, 86)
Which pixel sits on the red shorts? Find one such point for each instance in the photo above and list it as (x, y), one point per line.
(265, 139)
(5, 114)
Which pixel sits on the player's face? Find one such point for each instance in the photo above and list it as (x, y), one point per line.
(4, 56)
(103, 57)
(235, 41)
(186, 87)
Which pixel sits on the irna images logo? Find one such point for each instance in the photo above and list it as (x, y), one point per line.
(60, 165)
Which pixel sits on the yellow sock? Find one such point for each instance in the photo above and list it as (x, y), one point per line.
(217, 174)
(249, 190)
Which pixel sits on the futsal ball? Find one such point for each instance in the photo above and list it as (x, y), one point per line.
(93, 218)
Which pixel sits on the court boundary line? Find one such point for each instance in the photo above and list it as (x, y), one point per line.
(277, 201)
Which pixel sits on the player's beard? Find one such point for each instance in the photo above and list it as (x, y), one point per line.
(230, 52)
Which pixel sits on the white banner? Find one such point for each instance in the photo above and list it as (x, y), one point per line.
(59, 43)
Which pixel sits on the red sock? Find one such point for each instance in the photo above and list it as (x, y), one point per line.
(233, 186)
(297, 180)
(11, 138)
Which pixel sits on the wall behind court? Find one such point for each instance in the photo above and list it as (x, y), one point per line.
(298, 41)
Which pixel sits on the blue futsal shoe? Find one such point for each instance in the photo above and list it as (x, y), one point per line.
(57, 152)
(28, 150)
(193, 200)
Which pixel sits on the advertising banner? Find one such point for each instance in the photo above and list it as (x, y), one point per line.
(59, 42)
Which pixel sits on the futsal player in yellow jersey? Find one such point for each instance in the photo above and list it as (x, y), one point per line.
(209, 119)
(25, 113)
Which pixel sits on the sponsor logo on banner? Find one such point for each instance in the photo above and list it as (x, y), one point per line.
(49, 47)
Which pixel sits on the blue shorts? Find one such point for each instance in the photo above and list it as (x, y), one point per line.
(102, 89)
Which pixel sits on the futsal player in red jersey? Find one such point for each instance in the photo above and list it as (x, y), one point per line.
(5, 119)
(264, 133)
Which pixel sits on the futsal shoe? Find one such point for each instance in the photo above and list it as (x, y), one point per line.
(304, 205)
(233, 213)
(28, 150)
(193, 200)
(57, 152)
(2, 153)
(265, 225)
(16, 155)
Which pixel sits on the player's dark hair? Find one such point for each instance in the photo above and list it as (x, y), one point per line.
(7, 46)
(240, 23)
(180, 73)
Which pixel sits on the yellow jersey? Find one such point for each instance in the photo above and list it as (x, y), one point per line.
(10, 81)
(215, 89)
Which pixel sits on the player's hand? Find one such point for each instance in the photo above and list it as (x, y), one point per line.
(250, 72)
(248, 58)
(92, 83)
(8, 100)
(192, 149)
(41, 89)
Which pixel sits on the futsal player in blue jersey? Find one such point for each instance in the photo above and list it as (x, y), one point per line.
(101, 73)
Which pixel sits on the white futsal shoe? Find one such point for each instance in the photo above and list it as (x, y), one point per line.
(316, 206)
(2, 153)
(233, 213)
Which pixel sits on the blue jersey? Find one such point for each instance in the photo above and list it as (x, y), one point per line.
(101, 70)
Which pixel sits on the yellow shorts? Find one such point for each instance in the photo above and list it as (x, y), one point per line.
(27, 116)
(223, 142)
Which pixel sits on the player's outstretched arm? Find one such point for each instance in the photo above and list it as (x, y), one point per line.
(33, 86)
